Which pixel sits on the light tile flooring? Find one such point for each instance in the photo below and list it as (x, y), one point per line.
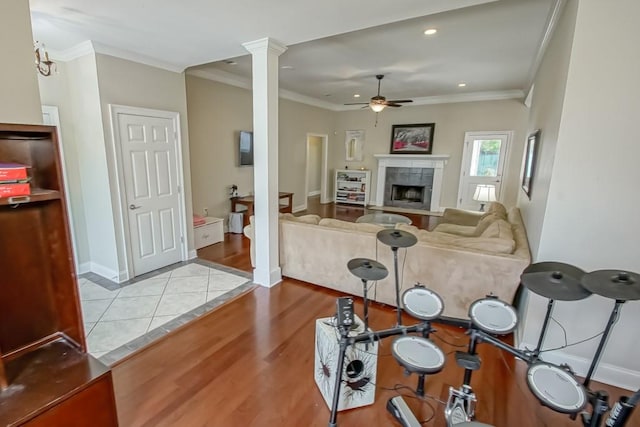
(119, 320)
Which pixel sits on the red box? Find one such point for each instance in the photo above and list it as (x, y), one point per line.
(11, 190)
(12, 171)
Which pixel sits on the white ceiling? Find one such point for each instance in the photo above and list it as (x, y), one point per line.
(336, 47)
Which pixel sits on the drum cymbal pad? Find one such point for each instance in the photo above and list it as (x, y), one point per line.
(367, 269)
(397, 238)
(555, 280)
(614, 284)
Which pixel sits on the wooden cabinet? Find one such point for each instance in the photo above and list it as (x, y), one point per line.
(352, 186)
(43, 359)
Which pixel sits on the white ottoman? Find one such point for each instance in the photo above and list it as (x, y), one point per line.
(360, 366)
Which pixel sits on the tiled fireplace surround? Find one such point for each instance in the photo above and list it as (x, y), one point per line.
(418, 176)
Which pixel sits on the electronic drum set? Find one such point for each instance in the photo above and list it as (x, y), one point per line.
(554, 386)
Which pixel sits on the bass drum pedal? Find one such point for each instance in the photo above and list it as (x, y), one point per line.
(460, 406)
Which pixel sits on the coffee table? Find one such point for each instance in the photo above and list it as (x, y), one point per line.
(384, 219)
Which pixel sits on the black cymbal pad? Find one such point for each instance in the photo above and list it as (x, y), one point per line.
(397, 238)
(367, 269)
(555, 280)
(615, 284)
(555, 285)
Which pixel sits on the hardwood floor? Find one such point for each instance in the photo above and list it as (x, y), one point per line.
(251, 363)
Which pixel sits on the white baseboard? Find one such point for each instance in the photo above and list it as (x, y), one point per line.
(193, 254)
(604, 373)
(298, 208)
(85, 267)
(313, 193)
(105, 272)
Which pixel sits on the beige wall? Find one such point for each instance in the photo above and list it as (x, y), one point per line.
(92, 165)
(132, 84)
(217, 112)
(591, 217)
(545, 114)
(452, 121)
(296, 120)
(18, 82)
(54, 91)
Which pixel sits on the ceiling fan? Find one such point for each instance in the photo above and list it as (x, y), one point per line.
(378, 102)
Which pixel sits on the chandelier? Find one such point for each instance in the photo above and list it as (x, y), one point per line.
(44, 65)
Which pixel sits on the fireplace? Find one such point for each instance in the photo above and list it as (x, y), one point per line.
(408, 187)
(407, 193)
(410, 181)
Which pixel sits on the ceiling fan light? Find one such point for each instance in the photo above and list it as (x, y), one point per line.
(376, 107)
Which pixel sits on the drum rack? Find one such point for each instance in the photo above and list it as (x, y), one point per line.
(552, 280)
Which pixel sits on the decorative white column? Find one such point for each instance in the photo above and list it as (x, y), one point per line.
(265, 53)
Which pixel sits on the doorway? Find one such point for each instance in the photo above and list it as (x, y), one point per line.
(316, 168)
(483, 162)
(150, 178)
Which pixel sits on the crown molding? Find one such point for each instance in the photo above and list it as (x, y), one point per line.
(552, 23)
(74, 52)
(244, 83)
(221, 77)
(304, 99)
(135, 57)
(265, 44)
(90, 47)
(452, 99)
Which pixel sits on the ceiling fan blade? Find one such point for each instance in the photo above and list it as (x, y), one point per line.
(400, 101)
(390, 104)
(357, 103)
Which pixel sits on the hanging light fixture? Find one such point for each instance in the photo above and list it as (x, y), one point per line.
(44, 65)
(376, 105)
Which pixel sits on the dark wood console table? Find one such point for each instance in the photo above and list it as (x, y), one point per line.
(248, 202)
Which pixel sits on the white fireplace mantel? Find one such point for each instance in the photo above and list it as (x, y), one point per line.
(432, 161)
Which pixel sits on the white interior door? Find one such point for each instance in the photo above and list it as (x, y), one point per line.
(483, 162)
(149, 158)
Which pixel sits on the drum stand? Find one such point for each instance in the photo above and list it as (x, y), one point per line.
(395, 269)
(599, 400)
(397, 239)
(344, 343)
(612, 320)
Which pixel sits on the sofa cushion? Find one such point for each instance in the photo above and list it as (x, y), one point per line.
(460, 230)
(307, 219)
(500, 229)
(498, 238)
(346, 225)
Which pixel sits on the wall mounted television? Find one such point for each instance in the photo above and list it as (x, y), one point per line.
(245, 148)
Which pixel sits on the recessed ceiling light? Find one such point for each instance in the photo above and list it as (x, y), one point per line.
(327, 94)
(357, 95)
(462, 84)
(430, 31)
(287, 67)
(230, 62)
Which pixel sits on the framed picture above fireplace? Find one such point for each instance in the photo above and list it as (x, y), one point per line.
(412, 139)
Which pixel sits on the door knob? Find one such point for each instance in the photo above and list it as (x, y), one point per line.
(133, 207)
